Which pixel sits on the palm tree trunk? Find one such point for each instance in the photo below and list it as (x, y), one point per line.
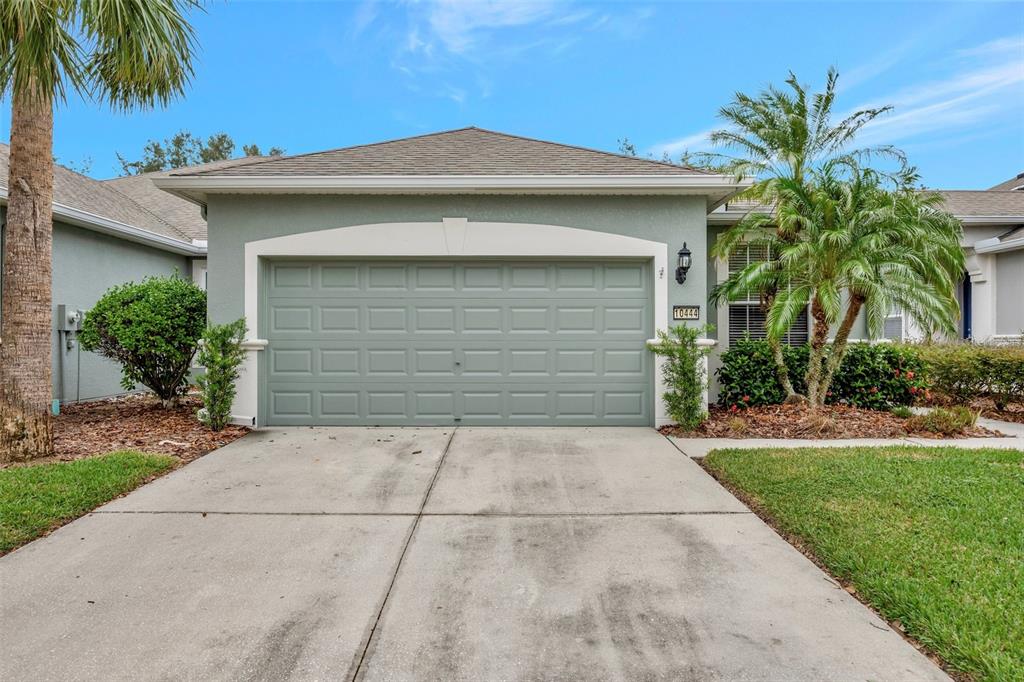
(815, 363)
(835, 358)
(783, 372)
(26, 308)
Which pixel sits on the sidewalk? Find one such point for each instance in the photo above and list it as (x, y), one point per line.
(699, 447)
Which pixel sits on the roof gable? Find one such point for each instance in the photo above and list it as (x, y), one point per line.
(462, 152)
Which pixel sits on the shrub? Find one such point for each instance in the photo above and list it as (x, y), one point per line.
(684, 373)
(152, 328)
(902, 411)
(748, 376)
(874, 376)
(221, 354)
(961, 372)
(878, 376)
(946, 421)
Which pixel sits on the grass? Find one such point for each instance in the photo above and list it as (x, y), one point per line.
(931, 537)
(34, 499)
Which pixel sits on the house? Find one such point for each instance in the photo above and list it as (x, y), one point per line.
(101, 238)
(467, 276)
(476, 277)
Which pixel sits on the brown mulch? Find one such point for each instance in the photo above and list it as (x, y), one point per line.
(1012, 413)
(136, 422)
(795, 421)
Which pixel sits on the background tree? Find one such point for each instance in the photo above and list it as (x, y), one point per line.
(129, 53)
(778, 137)
(185, 149)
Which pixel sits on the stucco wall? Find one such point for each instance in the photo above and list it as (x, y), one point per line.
(1010, 293)
(235, 219)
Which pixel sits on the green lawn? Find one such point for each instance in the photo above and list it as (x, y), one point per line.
(34, 499)
(932, 537)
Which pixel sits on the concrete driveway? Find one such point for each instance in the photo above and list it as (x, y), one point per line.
(433, 554)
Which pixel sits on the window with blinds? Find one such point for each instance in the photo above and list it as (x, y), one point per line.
(893, 327)
(746, 317)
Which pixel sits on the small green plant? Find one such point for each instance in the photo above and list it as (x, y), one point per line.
(684, 374)
(221, 354)
(946, 421)
(902, 411)
(152, 328)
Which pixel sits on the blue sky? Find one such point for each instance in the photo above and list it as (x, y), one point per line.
(309, 76)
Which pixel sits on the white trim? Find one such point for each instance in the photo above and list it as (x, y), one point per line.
(996, 245)
(196, 188)
(97, 223)
(990, 220)
(452, 237)
(447, 183)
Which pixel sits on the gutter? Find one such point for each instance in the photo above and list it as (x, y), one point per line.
(718, 187)
(996, 245)
(98, 223)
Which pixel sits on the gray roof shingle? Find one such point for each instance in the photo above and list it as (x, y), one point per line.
(983, 203)
(1014, 183)
(466, 151)
(92, 196)
(183, 214)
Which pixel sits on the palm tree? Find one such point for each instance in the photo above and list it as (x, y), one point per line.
(779, 137)
(129, 53)
(850, 240)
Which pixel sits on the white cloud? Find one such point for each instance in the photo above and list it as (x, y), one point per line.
(698, 142)
(463, 40)
(987, 85)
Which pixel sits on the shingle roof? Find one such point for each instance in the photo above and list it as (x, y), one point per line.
(183, 214)
(466, 152)
(983, 203)
(91, 196)
(1014, 183)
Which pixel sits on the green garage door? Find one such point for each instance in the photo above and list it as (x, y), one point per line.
(478, 342)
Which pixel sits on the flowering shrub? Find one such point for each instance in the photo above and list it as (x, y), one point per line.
(874, 376)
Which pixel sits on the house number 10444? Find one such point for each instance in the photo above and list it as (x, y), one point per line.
(686, 312)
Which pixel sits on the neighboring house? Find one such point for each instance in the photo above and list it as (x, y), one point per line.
(107, 233)
(101, 238)
(466, 277)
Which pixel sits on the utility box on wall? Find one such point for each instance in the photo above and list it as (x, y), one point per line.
(69, 318)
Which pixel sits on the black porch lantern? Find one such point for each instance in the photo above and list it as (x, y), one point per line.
(683, 265)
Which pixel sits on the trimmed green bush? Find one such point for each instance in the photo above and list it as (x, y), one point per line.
(961, 372)
(221, 354)
(873, 376)
(152, 328)
(684, 374)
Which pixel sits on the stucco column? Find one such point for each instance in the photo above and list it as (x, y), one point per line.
(981, 267)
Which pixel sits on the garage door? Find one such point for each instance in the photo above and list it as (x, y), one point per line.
(484, 342)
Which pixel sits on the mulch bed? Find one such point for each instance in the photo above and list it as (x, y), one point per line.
(136, 422)
(795, 421)
(1012, 413)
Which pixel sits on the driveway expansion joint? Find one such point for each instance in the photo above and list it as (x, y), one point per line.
(364, 656)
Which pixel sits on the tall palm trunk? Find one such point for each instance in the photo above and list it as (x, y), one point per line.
(26, 308)
(816, 361)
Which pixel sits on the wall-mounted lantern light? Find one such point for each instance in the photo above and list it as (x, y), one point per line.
(683, 266)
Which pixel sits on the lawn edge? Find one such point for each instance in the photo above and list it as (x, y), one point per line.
(799, 545)
(177, 464)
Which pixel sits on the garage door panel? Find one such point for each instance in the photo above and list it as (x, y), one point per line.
(438, 342)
